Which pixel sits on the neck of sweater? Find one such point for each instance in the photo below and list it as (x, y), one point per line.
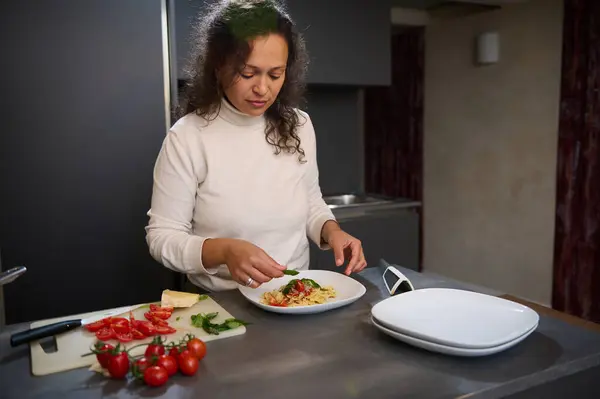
(234, 116)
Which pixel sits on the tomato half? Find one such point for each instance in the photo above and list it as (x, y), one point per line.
(137, 334)
(105, 334)
(163, 330)
(124, 337)
(121, 327)
(146, 328)
(95, 326)
(156, 308)
(161, 314)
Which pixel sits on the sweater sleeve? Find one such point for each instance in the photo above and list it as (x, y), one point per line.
(169, 231)
(318, 211)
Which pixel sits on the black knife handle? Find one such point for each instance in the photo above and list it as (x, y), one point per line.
(50, 330)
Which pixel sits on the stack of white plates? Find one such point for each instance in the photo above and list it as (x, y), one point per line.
(454, 322)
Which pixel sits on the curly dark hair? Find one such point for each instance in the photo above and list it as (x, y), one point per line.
(220, 36)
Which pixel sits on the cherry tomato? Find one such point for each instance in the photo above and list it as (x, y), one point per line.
(154, 350)
(197, 348)
(164, 330)
(105, 356)
(156, 308)
(118, 365)
(155, 376)
(105, 333)
(169, 363)
(299, 286)
(188, 363)
(142, 364)
(175, 351)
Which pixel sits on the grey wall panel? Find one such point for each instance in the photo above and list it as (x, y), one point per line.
(348, 40)
(83, 119)
(334, 112)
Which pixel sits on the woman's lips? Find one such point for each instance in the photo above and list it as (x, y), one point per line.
(257, 104)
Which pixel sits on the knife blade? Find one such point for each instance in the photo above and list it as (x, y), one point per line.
(50, 330)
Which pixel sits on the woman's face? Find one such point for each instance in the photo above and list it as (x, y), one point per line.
(256, 87)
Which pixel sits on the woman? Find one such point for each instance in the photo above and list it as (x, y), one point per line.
(236, 189)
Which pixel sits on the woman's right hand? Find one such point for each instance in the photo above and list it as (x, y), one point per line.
(247, 261)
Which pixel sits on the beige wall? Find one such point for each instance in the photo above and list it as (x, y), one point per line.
(490, 149)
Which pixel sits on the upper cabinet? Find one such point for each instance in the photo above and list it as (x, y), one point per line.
(348, 40)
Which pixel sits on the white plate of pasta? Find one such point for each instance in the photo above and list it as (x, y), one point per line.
(310, 291)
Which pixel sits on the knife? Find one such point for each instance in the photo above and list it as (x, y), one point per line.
(53, 329)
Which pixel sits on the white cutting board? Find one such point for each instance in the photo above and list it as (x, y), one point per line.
(72, 344)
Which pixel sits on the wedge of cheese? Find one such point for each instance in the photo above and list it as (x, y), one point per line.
(178, 299)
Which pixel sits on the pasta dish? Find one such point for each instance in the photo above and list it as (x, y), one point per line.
(298, 293)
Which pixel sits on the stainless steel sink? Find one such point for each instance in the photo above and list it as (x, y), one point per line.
(353, 200)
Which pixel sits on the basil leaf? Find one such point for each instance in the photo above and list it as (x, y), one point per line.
(204, 321)
(291, 272)
(310, 282)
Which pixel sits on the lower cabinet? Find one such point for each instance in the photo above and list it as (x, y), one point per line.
(392, 235)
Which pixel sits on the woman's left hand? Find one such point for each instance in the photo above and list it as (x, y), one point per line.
(346, 248)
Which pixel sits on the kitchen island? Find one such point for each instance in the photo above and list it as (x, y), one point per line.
(339, 354)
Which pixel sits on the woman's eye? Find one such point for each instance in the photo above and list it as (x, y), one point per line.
(275, 77)
(246, 76)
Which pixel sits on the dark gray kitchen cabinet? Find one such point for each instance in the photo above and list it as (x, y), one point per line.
(84, 115)
(348, 40)
(390, 235)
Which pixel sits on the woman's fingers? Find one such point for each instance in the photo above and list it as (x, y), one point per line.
(355, 258)
(267, 266)
(242, 278)
(256, 274)
(362, 264)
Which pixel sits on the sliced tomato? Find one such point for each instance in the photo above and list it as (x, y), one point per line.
(161, 314)
(118, 320)
(155, 320)
(95, 326)
(105, 334)
(137, 334)
(282, 304)
(163, 330)
(146, 328)
(121, 328)
(124, 337)
(299, 286)
(156, 308)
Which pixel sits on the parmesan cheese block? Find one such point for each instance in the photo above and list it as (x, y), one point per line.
(178, 299)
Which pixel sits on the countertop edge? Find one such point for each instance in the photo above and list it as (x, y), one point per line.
(551, 374)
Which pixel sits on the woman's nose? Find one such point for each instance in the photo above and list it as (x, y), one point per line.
(261, 87)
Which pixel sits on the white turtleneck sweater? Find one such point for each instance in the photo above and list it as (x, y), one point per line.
(221, 179)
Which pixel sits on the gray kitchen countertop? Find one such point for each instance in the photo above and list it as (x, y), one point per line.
(336, 354)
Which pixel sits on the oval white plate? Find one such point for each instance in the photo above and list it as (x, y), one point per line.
(449, 350)
(348, 290)
(455, 318)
